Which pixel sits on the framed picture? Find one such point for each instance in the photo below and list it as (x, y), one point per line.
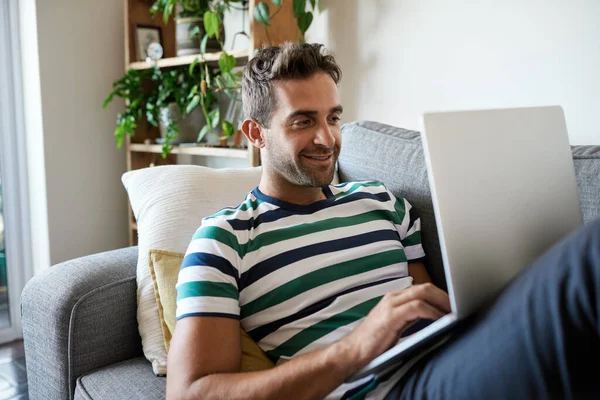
(144, 35)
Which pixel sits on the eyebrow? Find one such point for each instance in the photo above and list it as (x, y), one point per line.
(311, 113)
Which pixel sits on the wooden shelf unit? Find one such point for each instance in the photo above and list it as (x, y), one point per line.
(241, 56)
(141, 152)
(198, 150)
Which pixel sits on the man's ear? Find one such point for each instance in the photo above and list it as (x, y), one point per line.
(254, 131)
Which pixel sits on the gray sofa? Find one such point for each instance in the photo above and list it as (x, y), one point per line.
(79, 317)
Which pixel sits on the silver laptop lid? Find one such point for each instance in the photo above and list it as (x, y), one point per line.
(504, 191)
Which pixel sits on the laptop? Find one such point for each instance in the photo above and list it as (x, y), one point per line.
(504, 191)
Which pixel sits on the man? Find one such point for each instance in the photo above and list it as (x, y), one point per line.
(325, 278)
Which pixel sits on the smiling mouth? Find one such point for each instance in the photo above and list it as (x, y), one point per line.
(319, 158)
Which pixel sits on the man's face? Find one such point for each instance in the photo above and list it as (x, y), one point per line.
(303, 140)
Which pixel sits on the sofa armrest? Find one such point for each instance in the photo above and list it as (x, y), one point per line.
(78, 316)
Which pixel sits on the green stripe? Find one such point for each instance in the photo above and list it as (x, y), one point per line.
(248, 204)
(322, 328)
(364, 391)
(321, 277)
(400, 207)
(220, 235)
(206, 289)
(412, 239)
(357, 186)
(292, 232)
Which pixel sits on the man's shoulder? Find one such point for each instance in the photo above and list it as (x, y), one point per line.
(355, 187)
(245, 209)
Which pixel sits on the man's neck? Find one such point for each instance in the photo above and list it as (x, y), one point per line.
(286, 191)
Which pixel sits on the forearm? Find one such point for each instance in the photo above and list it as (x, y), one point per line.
(310, 376)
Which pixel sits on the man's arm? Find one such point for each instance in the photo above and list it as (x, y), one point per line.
(418, 272)
(205, 354)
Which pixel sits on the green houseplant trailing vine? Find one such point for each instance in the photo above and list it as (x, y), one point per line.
(198, 84)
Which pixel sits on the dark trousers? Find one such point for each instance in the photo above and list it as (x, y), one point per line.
(540, 339)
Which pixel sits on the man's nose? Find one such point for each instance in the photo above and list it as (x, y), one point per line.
(324, 135)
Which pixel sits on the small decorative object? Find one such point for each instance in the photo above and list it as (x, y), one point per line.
(154, 51)
(144, 36)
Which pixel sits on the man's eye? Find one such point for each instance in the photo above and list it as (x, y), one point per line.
(302, 122)
(335, 119)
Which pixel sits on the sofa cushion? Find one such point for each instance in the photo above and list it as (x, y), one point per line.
(587, 171)
(394, 156)
(132, 379)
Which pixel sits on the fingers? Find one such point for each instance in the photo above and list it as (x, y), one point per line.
(414, 310)
(427, 292)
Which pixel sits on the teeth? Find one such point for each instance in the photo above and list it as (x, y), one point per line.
(319, 158)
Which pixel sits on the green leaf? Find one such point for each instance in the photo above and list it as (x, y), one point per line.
(277, 3)
(203, 44)
(228, 80)
(304, 21)
(313, 4)
(226, 62)
(299, 7)
(193, 65)
(214, 116)
(108, 100)
(211, 24)
(261, 13)
(193, 33)
(190, 107)
(202, 133)
(227, 128)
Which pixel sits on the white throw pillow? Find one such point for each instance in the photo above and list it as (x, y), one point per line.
(169, 203)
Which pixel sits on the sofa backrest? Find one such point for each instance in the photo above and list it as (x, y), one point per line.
(394, 156)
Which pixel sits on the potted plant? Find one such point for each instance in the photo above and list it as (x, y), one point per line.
(167, 105)
(189, 22)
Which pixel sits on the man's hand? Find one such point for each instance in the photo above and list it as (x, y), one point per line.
(384, 325)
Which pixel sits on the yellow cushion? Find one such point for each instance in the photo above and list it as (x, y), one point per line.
(164, 270)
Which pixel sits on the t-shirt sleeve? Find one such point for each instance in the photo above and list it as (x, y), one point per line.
(409, 229)
(207, 284)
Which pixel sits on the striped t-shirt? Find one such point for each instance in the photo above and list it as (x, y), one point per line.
(300, 277)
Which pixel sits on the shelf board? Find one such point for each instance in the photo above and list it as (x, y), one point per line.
(240, 55)
(198, 150)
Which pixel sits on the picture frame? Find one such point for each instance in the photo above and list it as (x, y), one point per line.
(143, 36)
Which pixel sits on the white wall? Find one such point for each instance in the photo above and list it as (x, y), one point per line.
(81, 52)
(403, 57)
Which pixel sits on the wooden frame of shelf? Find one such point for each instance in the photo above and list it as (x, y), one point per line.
(198, 150)
(240, 56)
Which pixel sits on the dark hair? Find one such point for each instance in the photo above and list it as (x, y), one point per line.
(283, 62)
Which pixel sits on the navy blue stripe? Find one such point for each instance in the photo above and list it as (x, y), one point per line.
(264, 268)
(274, 215)
(209, 314)
(211, 260)
(413, 214)
(263, 331)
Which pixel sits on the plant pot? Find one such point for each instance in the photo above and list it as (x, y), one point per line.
(185, 46)
(188, 127)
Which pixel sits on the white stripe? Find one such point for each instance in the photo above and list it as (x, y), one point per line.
(416, 227)
(314, 263)
(205, 304)
(340, 305)
(266, 252)
(214, 247)
(414, 252)
(322, 292)
(203, 273)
